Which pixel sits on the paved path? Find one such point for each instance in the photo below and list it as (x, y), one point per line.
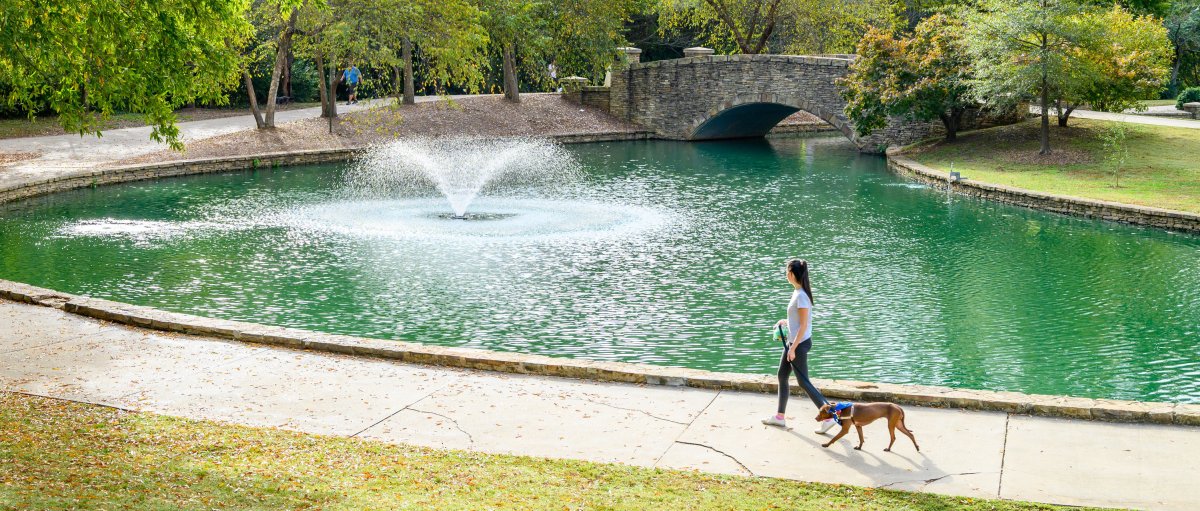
(66, 153)
(1163, 110)
(1130, 118)
(47, 352)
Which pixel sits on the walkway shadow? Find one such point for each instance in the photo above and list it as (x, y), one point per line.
(884, 471)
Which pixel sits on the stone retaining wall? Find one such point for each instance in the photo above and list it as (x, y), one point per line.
(143, 171)
(943, 397)
(1127, 213)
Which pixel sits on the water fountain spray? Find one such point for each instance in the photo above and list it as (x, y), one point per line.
(460, 168)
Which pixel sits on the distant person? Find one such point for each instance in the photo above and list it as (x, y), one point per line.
(796, 334)
(553, 69)
(352, 76)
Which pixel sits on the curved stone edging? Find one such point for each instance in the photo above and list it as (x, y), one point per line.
(1065, 204)
(942, 397)
(144, 171)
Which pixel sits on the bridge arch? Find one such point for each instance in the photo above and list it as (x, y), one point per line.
(754, 115)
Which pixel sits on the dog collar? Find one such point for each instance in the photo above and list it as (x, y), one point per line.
(837, 409)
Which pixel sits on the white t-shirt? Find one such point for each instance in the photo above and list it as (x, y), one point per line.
(799, 301)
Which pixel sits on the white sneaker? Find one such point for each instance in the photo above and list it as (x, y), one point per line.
(825, 426)
(773, 421)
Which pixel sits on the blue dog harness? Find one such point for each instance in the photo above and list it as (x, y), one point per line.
(837, 409)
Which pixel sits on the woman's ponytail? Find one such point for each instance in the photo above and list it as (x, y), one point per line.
(799, 268)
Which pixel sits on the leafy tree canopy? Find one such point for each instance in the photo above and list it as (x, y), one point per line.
(824, 26)
(86, 60)
(1183, 30)
(791, 26)
(923, 77)
(580, 36)
(1026, 50)
(1130, 61)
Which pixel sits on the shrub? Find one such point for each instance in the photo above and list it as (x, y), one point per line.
(305, 81)
(1190, 95)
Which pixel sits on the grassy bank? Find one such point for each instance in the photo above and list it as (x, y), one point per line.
(1157, 102)
(1163, 169)
(61, 455)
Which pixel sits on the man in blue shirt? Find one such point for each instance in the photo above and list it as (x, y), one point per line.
(352, 76)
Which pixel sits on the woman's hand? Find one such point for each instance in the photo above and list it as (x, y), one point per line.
(791, 354)
(782, 322)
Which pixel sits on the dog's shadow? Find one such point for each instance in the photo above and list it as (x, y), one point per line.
(858, 459)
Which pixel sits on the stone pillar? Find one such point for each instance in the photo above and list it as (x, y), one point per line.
(572, 84)
(632, 55)
(1193, 108)
(697, 51)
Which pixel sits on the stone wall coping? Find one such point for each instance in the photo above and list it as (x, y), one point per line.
(1128, 213)
(471, 358)
(795, 59)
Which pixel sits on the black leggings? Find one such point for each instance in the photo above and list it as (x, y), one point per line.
(800, 365)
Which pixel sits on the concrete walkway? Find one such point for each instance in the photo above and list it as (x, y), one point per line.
(1129, 118)
(47, 352)
(65, 153)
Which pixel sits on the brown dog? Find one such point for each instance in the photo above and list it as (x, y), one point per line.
(861, 414)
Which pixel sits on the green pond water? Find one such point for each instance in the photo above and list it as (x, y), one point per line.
(662, 253)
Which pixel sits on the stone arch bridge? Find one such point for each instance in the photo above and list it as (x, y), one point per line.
(709, 97)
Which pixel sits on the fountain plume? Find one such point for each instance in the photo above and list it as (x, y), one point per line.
(460, 168)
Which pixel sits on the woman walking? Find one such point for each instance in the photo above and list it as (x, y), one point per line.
(797, 342)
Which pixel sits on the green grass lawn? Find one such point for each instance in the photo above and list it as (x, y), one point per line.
(1157, 102)
(1163, 169)
(62, 455)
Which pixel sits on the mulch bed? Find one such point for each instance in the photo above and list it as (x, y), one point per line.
(487, 116)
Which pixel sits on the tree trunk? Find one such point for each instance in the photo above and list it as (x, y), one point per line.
(723, 13)
(334, 80)
(281, 51)
(510, 74)
(1064, 114)
(397, 87)
(258, 119)
(410, 95)
(1174, 84)
(952, 122)
(1045, 105)
(287, 75)
(322, 89)
(768, 28)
